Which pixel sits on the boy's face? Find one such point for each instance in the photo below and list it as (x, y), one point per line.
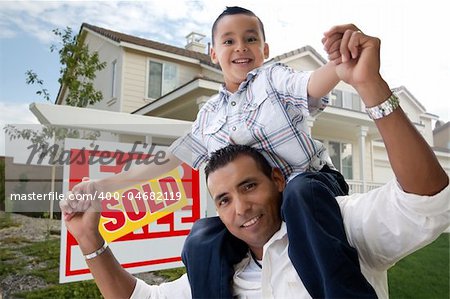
(238, 48)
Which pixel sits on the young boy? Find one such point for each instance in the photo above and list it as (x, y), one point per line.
(266, 108)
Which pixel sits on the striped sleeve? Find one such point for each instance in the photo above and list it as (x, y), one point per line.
(290, 82)
(190, 150)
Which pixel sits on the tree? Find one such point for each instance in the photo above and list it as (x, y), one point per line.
(78, 70)
(77, 73)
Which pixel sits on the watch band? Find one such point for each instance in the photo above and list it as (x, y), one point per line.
(385, 108)
(96, 253)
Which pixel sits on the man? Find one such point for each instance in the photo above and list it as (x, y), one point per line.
(383, 225)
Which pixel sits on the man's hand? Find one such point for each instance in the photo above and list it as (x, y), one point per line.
(81, 212)
(357, 59)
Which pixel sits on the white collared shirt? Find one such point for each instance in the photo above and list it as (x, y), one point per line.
(384, 226)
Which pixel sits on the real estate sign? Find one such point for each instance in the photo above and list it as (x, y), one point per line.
(145, 224)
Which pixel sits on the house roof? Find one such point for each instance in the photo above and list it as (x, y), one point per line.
(404, 89)
(301, 50)
(122, 37)
(440, 126)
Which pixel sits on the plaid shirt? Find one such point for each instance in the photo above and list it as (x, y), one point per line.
(268, 112)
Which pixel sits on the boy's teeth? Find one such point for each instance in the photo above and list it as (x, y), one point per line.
(241, 60)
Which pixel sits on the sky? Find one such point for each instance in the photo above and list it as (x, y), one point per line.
(414, 35)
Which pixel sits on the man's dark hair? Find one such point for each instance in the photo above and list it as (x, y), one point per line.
(236, 10)
(228, 154)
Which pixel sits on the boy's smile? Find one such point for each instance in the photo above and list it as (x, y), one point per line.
(239, 48)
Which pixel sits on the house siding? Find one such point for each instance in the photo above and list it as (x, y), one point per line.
(135, 77)
(108, 52)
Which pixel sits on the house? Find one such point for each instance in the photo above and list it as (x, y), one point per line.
(148, 78)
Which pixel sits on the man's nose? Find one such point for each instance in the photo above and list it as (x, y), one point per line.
(242, 205)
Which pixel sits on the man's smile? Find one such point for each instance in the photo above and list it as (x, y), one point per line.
(252, 221)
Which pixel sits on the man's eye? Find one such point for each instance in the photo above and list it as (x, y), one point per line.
(223, 201)
(250, 186)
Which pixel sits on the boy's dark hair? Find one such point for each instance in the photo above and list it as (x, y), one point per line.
(228, 154)
(236, 10)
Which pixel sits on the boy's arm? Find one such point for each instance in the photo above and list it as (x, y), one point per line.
(115, 182)
(322, 81)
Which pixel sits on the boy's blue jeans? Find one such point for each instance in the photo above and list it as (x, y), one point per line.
(318, 248)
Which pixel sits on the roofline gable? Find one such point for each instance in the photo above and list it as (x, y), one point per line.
(405, 90)
(300, 51)
(126, 40)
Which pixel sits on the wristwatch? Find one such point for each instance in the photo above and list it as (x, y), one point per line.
(385, 108)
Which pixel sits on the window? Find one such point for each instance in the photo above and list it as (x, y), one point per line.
(347, 100)
(342, 157)
(162, 78)
(337, 97)
(114, 74)
(356, 102)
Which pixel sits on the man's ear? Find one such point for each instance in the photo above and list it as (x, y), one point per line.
(266, 50)
(213, 55)
(278, 179)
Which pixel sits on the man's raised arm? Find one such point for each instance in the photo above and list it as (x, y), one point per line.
(415, 166)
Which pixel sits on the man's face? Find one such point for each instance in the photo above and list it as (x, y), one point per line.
(247, 201)
(238, 48)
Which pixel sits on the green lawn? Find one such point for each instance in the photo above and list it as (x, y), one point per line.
(424, 274)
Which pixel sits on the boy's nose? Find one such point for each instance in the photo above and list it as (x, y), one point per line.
(241, 48)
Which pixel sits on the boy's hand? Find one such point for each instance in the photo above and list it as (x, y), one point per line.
(332, 42)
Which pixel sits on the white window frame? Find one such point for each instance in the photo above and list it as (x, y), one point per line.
(340, 142)
(147, 77)
(347, 100)
(114, 79)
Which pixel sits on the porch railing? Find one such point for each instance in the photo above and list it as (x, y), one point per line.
(357, 186)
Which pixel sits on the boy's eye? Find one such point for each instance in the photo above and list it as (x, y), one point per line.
(252, 39)
(228, 42)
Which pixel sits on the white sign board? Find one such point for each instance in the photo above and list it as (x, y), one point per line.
(146, 236)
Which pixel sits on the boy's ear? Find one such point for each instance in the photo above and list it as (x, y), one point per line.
(213, 55)
(266, 50)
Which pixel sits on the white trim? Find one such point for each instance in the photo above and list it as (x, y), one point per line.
(300, 55)
(199, 83)
(117, 122)
(114, 79)
(212, 69)
(159, 52)
(122, 77)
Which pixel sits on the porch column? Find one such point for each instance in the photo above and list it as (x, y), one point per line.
(310, 122)
(362, 152)
(201, 101)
